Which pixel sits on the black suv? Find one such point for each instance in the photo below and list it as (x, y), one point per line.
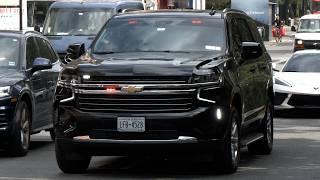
(29, 70)
(166, 82)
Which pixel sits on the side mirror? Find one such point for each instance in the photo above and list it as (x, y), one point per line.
(274, 67)
(74, 51)
(36, 28)
(251, 50)
(293, 29)
(41, 64)
(129, 10)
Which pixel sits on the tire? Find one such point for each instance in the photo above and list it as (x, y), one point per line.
(19, 141)
(264, 145)
(71, 162)
(229, 156)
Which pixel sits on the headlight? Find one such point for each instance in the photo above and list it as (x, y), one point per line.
(299, 41)
(299, 44)
(206, 75)
(282, 83)
(4, 91)
(64, 78)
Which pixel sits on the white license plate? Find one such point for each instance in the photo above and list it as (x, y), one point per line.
(131, 124)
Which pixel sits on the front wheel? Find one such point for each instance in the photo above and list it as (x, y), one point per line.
(20, 140)
(70, 162)
(229, 156)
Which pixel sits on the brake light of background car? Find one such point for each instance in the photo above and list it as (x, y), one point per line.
(132, 21)
(196, 21)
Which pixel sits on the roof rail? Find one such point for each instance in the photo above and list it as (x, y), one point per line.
(232, 10)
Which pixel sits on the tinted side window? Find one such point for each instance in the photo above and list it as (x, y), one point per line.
(53, 54)
(45, 52)
(254, 31)
(236, 37)
(245, 33)
(31, 52)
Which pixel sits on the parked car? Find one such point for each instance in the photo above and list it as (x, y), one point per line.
(28, 75)
(79, 22)
(297, 85)
(308, 33)
(161, 82)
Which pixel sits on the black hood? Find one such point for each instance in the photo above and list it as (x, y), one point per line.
(9, 77)
(140, 64)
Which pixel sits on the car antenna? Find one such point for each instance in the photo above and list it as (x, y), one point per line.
(212, 12)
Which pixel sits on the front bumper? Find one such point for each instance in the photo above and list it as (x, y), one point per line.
(96, 133)
(6, 117)
(289, 100)
(181, 145)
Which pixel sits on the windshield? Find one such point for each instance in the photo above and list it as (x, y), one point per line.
(9, 52)
(303, 63)
(161, 34)
(309, 25)
(76, 21)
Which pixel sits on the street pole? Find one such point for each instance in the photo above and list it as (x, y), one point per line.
(20, 13)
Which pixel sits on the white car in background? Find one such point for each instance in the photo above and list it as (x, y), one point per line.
(297, 85)
(308, 33)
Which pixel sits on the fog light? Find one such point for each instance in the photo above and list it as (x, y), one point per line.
(86, 77)
(219, 114)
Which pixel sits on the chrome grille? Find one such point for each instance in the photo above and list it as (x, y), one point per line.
(137, 80)
(3, 117)
(149, 100)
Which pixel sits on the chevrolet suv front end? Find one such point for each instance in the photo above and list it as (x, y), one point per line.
(161, 82)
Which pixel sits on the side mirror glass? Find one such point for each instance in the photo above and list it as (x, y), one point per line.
(41, 64)
(74, 51)
(36, 28)
(293, 29)
(274, 67)
(251, 50)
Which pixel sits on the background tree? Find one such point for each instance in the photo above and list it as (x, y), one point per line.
(218, 4)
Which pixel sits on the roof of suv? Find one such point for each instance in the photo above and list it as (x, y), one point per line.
(91, 4)
(178, 12)
(311, 16)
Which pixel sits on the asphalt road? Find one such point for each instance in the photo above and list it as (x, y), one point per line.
(295, 156)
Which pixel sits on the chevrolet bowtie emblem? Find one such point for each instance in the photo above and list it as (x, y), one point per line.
(132, 89)
(315, 88)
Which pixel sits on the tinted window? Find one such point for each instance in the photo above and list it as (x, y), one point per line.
(162, 34)
(9, 51)
(45, 51)
(32, 52)
(244, 30)
(303, 63)
(69, 21)
(236, 38)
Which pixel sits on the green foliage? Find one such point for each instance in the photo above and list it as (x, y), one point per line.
(218, 4)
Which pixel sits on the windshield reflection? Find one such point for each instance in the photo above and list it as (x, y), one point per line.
(63, 22)
(9, 52)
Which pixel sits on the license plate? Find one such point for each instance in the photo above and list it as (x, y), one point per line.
(131, 124)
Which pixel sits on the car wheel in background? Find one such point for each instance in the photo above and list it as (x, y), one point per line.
(20, 140)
